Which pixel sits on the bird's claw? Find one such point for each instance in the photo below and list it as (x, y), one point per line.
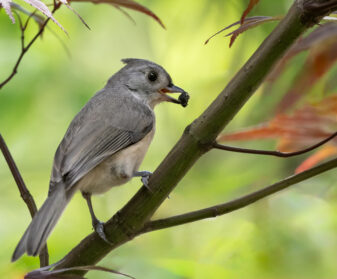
(145, 176)
(145, 179)
(99, 229)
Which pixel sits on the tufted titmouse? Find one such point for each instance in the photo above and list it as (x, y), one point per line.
(103, 146)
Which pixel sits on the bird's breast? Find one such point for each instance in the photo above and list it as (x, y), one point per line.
(117, 169)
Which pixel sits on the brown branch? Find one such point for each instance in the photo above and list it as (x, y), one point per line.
(236, 204)
(22, 37)
(29, 18)
(24, 192)
(327, 6)
(272, 153)
(26, 196)
(24, 48)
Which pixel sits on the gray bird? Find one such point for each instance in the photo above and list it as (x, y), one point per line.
(103, 146)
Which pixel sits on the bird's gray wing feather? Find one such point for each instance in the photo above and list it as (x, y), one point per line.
(103, 127)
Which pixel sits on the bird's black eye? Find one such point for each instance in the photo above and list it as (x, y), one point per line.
(152, 76)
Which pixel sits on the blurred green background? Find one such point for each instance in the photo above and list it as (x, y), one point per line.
(292, 234)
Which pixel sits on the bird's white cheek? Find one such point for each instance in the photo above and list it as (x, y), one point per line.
(156, 99)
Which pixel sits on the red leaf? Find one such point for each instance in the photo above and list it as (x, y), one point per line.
(326, 152)
(318, 37)
(320, 60)
(65, 2)
(125, 13)
(303, 128)
(130, 4)
(251, 4)
(249, 23)
(321, 43)
(264, 131)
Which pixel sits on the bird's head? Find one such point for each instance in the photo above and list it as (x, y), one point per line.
(150, 82)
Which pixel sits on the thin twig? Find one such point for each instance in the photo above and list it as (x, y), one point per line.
(24, 49)
(22, 29)
(28, 19)
(272, 153)
(236, 204)
(26, 196)
(24, 192)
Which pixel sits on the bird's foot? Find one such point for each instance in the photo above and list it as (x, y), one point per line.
(145, 176)
(145, 181)
(99, 229)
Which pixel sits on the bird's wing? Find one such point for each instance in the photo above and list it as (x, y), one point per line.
(102, 128)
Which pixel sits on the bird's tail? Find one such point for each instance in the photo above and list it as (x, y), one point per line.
(42, 224)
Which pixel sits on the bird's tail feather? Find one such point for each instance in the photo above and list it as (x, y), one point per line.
(42, 224)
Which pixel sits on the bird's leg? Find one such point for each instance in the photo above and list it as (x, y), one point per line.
(145, 176)
(97, 224)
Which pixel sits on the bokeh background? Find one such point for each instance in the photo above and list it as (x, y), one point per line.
(292, 234)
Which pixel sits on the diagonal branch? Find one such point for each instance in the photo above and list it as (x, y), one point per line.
(236, 204)
(197, 139)
(272, 153)
(24, 192)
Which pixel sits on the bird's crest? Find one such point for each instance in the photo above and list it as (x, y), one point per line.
(128, 61)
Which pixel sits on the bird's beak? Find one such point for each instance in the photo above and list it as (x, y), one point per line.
(173, 89)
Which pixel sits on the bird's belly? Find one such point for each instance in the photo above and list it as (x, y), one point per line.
(117, 169)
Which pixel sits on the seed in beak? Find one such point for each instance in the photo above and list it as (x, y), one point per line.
(183, 98)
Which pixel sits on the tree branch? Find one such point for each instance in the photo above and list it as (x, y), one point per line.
(326, 6)
(236, 204)
(272, 153)
(24, 192)
(196, 140)
(24, 48)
